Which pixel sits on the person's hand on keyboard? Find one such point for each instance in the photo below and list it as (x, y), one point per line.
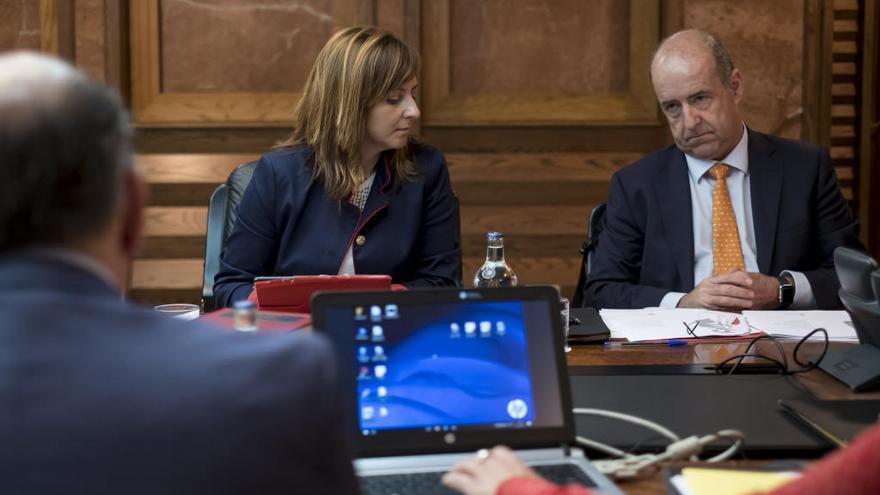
(483, 474)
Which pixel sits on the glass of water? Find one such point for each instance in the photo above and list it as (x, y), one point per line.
(179, 311)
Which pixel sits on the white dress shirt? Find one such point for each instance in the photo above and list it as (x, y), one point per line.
(738, 187)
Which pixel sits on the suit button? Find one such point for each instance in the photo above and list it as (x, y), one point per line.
(360, 240)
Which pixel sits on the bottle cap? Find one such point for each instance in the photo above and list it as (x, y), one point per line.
(494, 235)
(244, 304)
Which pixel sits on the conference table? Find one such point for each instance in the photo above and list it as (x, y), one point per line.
(701, 356)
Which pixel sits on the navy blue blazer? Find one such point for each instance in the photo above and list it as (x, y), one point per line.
(288, 225)
(100, 396)
(647, 247)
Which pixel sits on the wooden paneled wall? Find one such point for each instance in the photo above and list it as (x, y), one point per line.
(535, 103)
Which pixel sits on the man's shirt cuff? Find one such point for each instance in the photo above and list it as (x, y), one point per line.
(670, 300)
(803, 292)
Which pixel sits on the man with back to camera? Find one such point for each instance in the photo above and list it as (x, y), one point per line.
(100, 396)
(728, 218)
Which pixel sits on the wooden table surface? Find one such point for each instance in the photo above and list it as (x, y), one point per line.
(707, 353)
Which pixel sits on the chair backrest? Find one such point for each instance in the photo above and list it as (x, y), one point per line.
(860, 292)
(221, 221)
(595, 224)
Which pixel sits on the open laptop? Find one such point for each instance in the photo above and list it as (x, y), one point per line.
(431, 376)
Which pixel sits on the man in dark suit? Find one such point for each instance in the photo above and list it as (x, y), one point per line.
(101, 396)
(728, 218)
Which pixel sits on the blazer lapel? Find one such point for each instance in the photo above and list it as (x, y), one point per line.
(765, 178)
(378, 199)
(673, 193)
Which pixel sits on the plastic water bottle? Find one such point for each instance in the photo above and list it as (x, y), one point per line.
(495, 272)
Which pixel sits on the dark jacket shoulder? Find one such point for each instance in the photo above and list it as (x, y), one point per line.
(647, 167)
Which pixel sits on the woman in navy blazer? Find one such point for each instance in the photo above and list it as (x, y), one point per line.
(350, 191)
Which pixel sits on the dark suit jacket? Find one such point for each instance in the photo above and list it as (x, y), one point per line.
(287, 225)
(100, 396)
(647, 247)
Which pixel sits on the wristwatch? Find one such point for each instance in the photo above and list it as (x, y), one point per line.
(786, 291)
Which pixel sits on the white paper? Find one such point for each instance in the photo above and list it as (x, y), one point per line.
(800, 323)
(681, 484)
(669, 323)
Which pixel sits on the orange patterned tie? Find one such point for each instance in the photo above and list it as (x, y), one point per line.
(726, 251)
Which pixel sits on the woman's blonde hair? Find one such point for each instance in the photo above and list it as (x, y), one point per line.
(356, 69)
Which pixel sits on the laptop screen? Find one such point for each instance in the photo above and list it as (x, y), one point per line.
(448, 368)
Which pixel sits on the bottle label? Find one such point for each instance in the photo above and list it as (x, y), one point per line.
(488, 273)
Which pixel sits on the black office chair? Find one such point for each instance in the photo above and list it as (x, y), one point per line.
(858, 366)
(594, 226)
(221, 221)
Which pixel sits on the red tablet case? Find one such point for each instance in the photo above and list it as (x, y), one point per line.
(292, 294)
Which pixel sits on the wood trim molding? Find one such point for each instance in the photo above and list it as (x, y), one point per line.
(48, 26)
(153, 107)
(443, 108)
(817, 73)
(57, 28)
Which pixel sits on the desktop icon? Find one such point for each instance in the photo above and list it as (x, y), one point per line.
(391, 311)
(382, 391)
(380, 371)
(365, 393)
(383, 412)
(367, 412)
(454, 330)
(378, 333)
(363, 354)
(376, 313)
(517, 409)
(470, 328)
(378, 353)
(500, 328)
(485, 329)
(359, 313)
(364, 372)
(362, 334)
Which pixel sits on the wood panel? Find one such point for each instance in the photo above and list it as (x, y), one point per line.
(155, 107)
(164, 221)
(444, 107)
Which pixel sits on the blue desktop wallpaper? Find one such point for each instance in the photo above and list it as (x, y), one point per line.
(462, 364)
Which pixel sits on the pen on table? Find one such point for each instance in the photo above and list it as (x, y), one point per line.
(665, 343)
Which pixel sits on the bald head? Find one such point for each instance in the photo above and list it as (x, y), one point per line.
(693, 44)
(64, 141)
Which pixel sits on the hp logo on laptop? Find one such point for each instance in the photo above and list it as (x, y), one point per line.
(449, 438)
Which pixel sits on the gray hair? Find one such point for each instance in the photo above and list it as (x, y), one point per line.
(64, 143)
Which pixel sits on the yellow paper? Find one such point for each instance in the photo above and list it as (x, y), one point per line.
(703, 481)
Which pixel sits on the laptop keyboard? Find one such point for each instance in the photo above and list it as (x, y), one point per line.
(430, 484)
